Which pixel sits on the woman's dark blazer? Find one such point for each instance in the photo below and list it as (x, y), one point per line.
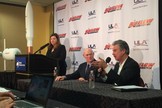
(59, 54)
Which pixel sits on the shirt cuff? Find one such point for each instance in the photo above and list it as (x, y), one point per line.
(107, 69)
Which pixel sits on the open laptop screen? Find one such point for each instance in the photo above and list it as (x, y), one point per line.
(39, 88)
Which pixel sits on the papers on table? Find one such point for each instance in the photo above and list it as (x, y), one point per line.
(129, 88)
(3, 89)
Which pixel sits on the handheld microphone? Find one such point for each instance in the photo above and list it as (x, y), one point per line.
(42, 47)
(108, 59)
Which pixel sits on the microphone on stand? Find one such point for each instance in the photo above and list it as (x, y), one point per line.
(42, 47)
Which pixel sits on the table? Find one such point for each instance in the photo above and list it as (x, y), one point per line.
(7, 79)
(79, 94)
(50, 103)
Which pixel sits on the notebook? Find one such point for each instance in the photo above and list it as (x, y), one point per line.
(37, 94)
(128, 88)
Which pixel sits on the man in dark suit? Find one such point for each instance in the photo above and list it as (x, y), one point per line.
(82, 73)
(126, 70)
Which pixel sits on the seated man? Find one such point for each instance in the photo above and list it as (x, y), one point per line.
(82, 73)
(126, 70)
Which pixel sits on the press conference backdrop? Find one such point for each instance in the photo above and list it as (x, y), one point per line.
(97, 23)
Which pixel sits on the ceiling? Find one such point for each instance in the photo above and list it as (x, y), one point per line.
(23, 2)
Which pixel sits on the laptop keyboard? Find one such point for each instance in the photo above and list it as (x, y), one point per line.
(24, 104)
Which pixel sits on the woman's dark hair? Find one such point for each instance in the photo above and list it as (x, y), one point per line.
(58, 41)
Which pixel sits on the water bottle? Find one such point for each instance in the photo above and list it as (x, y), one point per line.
(55, 72)
(91, 80)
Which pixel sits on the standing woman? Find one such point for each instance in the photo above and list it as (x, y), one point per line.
(57, 51)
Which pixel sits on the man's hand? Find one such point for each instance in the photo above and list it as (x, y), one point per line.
(59, 78)
(7, 94)
(6, 102)
(82, 79)
(99, 63)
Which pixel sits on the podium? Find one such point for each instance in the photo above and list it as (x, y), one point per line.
(34, 64)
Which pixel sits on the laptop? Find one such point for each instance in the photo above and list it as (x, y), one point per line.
(37, 93)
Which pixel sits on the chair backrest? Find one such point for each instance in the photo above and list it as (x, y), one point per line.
(141, 82)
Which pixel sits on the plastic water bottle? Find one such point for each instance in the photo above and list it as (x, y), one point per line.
(91, 80)
(55, 72)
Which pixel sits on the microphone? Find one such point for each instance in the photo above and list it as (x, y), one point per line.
(108, 59)
(42, 47)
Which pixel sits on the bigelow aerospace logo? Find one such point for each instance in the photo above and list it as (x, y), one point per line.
(113, 8)
(19, 64)
(75, 49)
(140, 23)
(62, 35)
(92, 30)
(74, 18)
(61, 7)
(108, 46)
(146, 65)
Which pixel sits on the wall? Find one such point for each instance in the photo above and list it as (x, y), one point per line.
(12, 28)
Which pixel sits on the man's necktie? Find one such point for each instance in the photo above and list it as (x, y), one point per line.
(87, 68)
(87, 71)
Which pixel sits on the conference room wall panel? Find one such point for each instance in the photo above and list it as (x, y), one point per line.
(12, 29)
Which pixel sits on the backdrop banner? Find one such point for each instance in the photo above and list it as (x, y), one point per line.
(97, 23)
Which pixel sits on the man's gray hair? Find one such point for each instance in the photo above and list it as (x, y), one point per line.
(123, 45)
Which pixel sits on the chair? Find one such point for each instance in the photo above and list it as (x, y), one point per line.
(141, 82)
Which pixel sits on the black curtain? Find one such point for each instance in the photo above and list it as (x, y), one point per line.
(160, 44)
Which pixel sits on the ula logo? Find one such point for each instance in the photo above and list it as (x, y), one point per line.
(75, 2)
(61, 20)
(113, 26)
(141, 43)
(139, 1)
(92, 46)
(90, 13)
(75, 32)
(75, 63)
